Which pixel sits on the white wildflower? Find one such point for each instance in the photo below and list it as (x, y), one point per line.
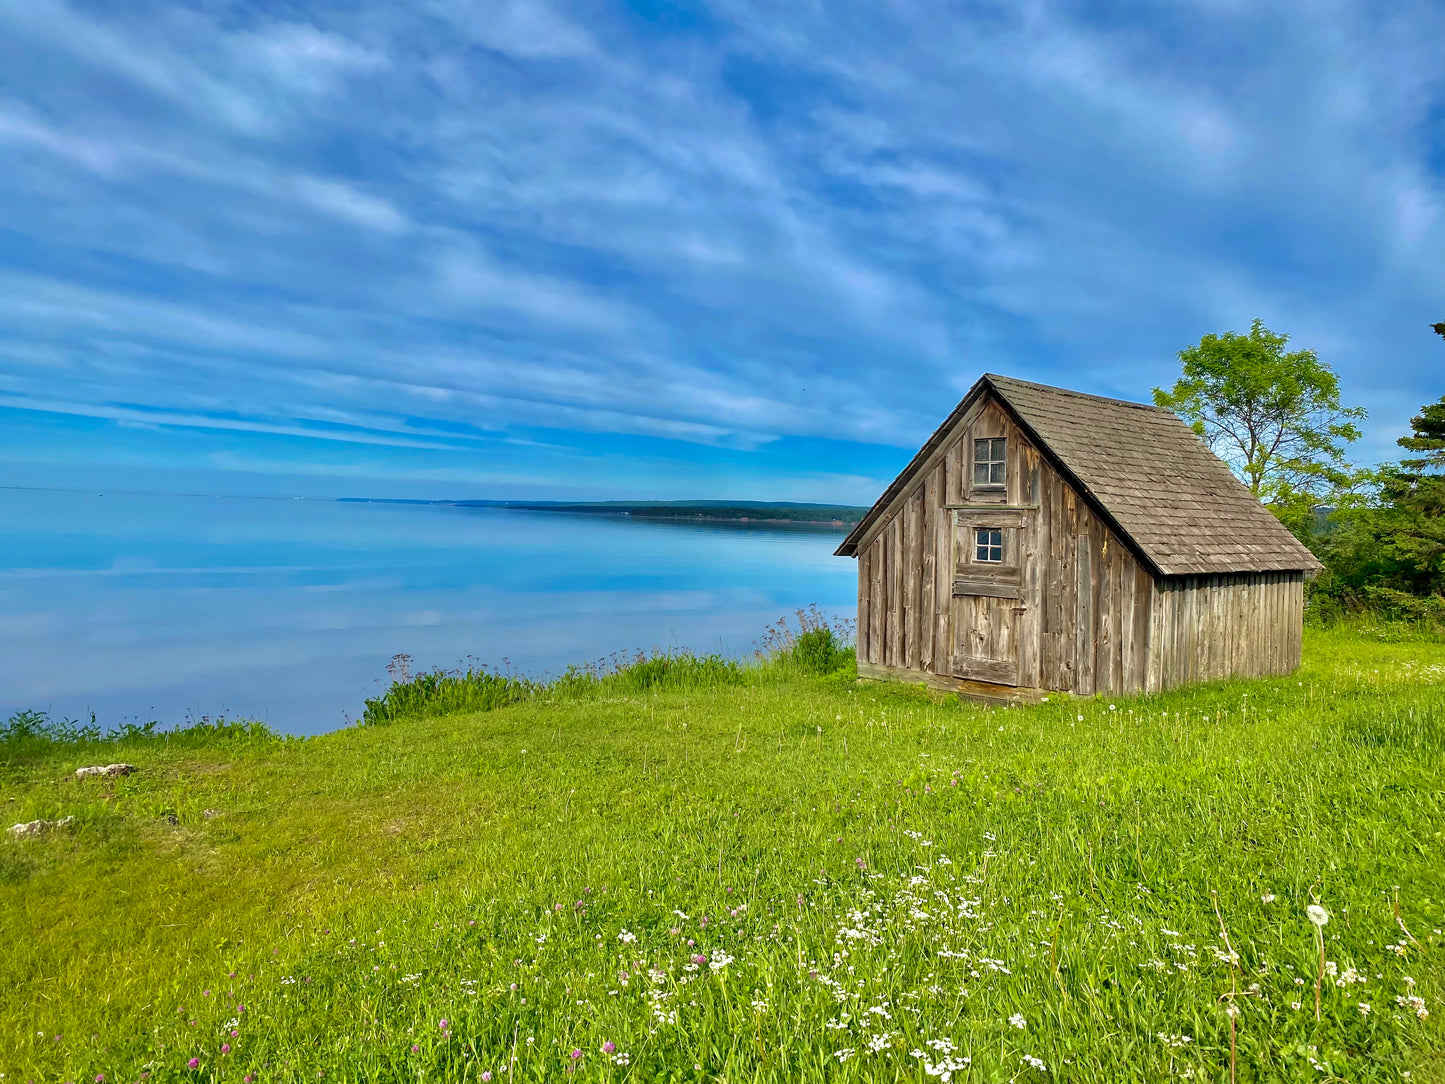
(1414, 1003)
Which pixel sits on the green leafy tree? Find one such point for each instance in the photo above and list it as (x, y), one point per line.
(1273, 415)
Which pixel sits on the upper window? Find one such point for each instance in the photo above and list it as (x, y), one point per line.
(990, 463)
(988, 544)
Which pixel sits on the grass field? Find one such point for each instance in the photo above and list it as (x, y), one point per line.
(762, 875)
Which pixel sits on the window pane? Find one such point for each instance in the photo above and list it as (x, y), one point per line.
(998, 473)
(996, 452)
(980, 474)
(980, 451)
(988, 544)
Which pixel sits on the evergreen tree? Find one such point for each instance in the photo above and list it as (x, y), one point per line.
(1411, 526)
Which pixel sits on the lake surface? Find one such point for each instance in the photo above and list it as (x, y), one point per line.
(287, 611)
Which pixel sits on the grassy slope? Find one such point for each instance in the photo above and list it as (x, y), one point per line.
(409, 874)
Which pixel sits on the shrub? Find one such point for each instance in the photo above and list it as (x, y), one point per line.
(816, 646)
(818, 651)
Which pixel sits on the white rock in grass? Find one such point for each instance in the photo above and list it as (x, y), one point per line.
(109, 771)
(30, 829)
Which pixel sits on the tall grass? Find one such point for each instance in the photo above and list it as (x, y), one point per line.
(777, 876)
(37, 732)
(814, 646)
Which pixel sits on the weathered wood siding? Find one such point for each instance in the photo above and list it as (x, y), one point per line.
(1205, 628)
(1080, 618)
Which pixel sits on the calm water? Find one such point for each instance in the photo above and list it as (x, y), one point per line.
(287, 611)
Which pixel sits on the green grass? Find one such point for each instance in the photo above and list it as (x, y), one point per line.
(864, 868)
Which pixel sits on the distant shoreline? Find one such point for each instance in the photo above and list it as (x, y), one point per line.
(752, 513)
(762, 513)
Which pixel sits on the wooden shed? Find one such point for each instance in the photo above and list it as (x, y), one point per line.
(1045, 540)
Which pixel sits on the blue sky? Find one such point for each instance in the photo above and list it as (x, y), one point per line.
(680, 250)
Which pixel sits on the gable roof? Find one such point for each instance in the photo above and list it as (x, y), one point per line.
(1171, 499)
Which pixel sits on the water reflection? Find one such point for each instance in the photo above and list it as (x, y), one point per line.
(142, 607)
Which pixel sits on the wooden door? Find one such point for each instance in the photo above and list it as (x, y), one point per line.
(987, 596)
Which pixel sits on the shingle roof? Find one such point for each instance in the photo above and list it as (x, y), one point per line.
(1177, 504)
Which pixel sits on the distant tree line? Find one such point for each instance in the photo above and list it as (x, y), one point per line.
(1275, 416)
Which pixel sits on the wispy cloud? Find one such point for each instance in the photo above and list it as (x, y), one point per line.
(727, 228)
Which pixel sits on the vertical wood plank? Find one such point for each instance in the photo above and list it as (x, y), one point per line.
(1143, 609)
(912, 560)
(1187, 632)
(1246, 597)
(1170, 648)
(1218, 627)
(1084, 633)
(943, 587)
(952, 467)
(1271, 623)
(1118, 615)
(927, 589)
(1127, 679)
(877, 602)
(895, 592)
(1071, 650)
(1107, 647)
(1155, 653)
(1034, 557)
(885, 596)
(860, 641)
(1275, 624)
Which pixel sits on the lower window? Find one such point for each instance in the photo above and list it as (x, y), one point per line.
(988, 544)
